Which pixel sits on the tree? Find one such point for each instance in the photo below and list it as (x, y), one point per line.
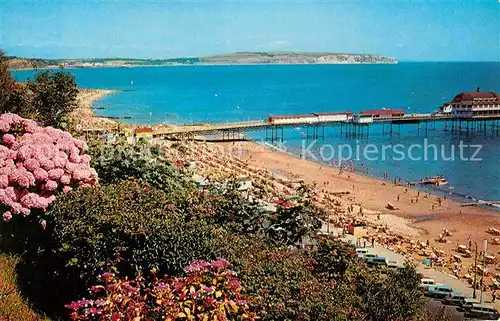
(6, 83)
(54, 96)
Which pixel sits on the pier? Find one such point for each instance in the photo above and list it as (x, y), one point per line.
(274, 132)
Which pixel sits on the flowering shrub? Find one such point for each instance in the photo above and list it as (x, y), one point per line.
(209, 292)
(35, 163)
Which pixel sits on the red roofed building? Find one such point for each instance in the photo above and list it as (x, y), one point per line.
(144, 133)
(476, 103)
(383, 113)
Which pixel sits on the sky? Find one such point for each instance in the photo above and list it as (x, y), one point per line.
(407, 30)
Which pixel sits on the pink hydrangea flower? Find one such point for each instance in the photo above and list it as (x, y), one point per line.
(65, 179)
(7, 216)
(16, 208)
(67, 189)
(8, 139)
(41, 174)
(59, 162)
(51, 186)
(31, 164)
(56, 173)
(4, 181)
(25, 211)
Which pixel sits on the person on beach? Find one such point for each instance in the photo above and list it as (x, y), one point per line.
(398, 198)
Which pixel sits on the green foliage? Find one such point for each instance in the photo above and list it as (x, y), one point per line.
(293, 220)
(396, 297)
(324, 283)
(6, 82)
(333, 258)
(54, 96)
(141, 224)
(21, 102)
(142, 161)
(282, 284)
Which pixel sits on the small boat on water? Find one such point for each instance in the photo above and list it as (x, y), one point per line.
(434, 180)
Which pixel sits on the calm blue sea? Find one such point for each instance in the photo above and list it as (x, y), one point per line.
(233, 93)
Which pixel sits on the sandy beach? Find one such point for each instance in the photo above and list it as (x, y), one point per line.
(83, 117)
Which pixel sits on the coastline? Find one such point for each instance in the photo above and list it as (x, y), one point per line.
(205, 64)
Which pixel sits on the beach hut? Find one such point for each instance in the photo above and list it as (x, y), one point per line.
(357, 230)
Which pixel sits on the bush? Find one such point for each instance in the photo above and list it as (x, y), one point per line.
(36, 163)
(140, 223)
(6, 83)
(209, 292)
(396, 297)
(282, 284)
(121, 161)
(90, 227)
(326, 282)
(54, 97)
(293, 220)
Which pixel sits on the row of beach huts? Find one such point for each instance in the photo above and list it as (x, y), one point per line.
(364, 117)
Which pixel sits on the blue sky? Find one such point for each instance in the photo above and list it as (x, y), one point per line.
(408, 30)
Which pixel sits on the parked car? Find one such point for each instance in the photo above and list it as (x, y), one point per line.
(481, 310)
(467, 304)
(368, 257)
(361, 252)
(426, 282)
(392, 264)
(454, 299)
(378, 261)
(438, 291)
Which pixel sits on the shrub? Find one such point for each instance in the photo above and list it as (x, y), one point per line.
(54, 97)
(137, 221)
(294, 219)
(209, 292)
(36, 163)
(6, 82)
(396, 297)
(281, 283)
(92, 226)
(121, 161)
(332, 258)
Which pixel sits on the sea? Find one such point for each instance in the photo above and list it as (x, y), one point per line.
(209, 94)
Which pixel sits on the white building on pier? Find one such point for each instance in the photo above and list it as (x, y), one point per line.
(472, 104)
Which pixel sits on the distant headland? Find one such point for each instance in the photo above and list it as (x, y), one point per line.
(238, 58)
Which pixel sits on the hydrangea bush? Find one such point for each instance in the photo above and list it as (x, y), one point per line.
(209, 291)
(36, 163)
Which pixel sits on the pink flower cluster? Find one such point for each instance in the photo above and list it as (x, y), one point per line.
(36, 162)
(209, 291)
